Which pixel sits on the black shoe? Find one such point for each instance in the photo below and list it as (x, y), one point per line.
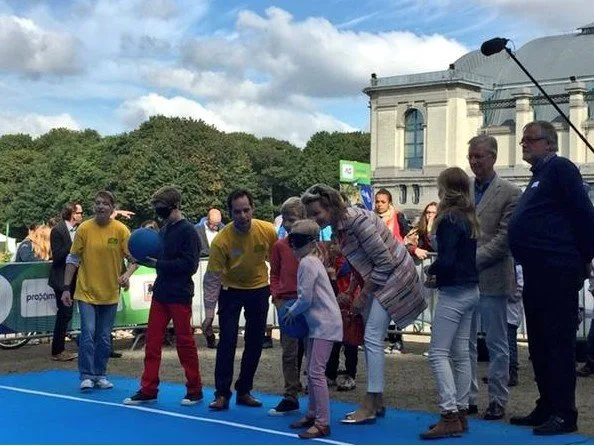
(513, 378)
(267, 342)
(534, 418)
(192, 398)
(211, 341)
(247, 400)
(139, 398)
(472, 409)
(486, 379)
(287, 405)
(586, 370)
(494, 412)
(115, 355)
(555, 425)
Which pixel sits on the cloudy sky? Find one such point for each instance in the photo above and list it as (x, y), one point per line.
(284, 68)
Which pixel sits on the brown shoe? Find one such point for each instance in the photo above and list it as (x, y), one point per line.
(303, 422)
(247, 400)
(449, 425)
(64, 356)
(316, 431)
(220, 403)
(463, 415)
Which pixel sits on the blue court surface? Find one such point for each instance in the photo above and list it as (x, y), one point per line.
(47, 407)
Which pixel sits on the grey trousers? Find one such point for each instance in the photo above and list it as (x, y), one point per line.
(493, 316)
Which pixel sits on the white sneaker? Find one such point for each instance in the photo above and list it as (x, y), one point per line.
(103, 384)
(86, 384)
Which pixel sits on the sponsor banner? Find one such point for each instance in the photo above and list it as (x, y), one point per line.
(28, 304)
(37, 298)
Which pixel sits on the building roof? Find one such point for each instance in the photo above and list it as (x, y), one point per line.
(546, 58)
(550, 60)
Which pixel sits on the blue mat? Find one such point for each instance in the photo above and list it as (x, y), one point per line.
(47, 407)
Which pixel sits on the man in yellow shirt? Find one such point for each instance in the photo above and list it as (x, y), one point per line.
(99, 246)
(237, 277)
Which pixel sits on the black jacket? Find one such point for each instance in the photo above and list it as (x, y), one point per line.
(60, 243)
(177, 263)
(456, 252)
(553, 222)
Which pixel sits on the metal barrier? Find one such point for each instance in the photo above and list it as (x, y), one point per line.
(422, 325)
(28, 304)
(28, 307)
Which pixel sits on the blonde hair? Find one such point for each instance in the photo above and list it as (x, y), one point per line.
(41, 242)
(454, 187)
(293, 206)
(328, 197)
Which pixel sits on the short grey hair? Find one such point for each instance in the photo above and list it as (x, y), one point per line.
(548, 131)
(488, 140)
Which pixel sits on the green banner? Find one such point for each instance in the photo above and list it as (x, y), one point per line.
(28, 303)
(355, 172)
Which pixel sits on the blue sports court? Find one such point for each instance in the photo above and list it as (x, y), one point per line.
(48, 408)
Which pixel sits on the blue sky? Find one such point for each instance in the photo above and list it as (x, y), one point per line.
(284, 68)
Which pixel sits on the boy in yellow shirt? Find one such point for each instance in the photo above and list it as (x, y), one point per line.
(97, 252)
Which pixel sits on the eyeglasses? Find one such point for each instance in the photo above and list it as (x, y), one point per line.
(526, 140)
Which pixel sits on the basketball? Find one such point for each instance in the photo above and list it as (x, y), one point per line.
(143, 243)
(297, 329)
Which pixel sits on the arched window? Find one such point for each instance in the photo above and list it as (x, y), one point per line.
(413, 139)
(416, 194)
(403, 193)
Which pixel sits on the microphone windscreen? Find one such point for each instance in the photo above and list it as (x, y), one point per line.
(493, 46)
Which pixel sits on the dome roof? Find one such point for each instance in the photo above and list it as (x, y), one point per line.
(546, 58)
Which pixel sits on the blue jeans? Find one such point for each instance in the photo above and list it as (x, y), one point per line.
(493, 314)
(448, 352)
(376, 326)
(94, 342)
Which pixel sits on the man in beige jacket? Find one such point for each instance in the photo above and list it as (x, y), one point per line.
(495, 200)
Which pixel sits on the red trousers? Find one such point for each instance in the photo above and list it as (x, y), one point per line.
(159, 316)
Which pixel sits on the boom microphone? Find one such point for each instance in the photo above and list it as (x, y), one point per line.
(493, 46)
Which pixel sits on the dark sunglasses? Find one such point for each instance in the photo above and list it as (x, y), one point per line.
(297, 241)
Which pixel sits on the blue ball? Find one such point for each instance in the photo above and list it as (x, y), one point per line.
(297, 329)
(144, 242)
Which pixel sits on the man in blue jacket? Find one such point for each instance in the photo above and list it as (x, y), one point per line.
(550, 235)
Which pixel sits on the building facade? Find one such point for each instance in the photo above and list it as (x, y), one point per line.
(421, 123)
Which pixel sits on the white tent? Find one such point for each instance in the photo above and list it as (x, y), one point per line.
(11, 242)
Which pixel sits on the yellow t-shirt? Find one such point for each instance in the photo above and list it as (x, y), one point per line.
(242, 258)
(101, 250)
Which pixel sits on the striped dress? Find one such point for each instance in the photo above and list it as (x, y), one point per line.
(373, 251)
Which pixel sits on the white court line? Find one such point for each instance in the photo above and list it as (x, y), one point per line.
(164, 412)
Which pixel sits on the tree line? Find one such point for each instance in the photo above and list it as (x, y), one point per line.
(37, 176)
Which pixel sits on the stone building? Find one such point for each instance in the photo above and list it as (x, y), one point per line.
(421, 123)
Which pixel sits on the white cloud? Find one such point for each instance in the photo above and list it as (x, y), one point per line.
(315, 58)
(135, 111)
(556, 16)
(35, 124)
(27, 49)
(282, 123)
(207, 84)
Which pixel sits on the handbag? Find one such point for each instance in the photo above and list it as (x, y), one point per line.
(353, 328)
